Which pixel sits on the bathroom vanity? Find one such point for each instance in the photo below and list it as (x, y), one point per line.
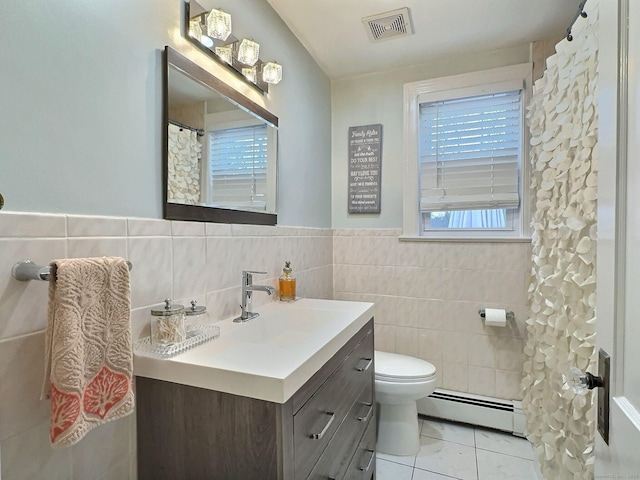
(287, 395)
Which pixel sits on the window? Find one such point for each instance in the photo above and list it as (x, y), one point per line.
(463, 167)
(469, 159)
(238, 166)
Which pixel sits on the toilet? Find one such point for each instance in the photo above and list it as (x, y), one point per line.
(400, 381)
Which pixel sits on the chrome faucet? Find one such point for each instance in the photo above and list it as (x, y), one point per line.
(247, 289)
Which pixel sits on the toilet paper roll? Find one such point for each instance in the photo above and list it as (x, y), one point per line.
(495, 317)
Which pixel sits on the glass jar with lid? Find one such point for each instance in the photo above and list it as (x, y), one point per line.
(196, 317)
(167, 324)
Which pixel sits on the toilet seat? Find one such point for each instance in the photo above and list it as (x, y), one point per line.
(396, 368)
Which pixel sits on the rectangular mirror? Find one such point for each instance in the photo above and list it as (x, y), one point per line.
(220, 149)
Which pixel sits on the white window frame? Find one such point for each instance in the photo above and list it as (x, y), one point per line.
(459, 86)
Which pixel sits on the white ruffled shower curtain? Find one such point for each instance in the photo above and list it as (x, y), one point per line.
(185, 152)
(561, 329)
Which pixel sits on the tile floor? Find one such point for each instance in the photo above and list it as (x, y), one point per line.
(453, 451)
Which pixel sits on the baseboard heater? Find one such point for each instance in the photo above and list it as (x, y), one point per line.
(496, 413)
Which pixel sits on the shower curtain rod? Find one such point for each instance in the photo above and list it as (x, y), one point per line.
(199, 131)
(579, 13)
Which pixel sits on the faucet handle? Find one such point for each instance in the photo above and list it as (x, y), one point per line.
(247, 276)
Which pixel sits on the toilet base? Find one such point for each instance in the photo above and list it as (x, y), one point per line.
(398, 429)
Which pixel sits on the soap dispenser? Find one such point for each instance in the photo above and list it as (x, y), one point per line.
(287, 284)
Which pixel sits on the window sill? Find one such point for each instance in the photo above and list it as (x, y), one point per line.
(459, 239)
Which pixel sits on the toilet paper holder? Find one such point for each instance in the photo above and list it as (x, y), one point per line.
(510, 315)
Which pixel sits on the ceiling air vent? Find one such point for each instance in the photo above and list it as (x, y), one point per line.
(394, 24)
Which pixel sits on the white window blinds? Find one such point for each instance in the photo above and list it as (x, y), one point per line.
(238, 166)
(469, 152)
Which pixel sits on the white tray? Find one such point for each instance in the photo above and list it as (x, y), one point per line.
(198, 335)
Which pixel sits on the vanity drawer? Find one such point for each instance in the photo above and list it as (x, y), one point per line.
(302, 396)
(317, 421)
(363, 464)
(335, 460)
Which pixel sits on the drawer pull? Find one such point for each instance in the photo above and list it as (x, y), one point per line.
(368, 466)
(360, 368)
(318, 436)
(366, 417)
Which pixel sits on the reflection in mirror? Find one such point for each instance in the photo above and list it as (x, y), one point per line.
(220, 150)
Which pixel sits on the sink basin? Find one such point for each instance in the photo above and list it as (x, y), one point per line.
(286, 327)
(269, 357)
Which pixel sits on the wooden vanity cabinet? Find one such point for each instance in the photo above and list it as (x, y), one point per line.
(326, 430)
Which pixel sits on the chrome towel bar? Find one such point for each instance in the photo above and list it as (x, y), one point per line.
(27, 270)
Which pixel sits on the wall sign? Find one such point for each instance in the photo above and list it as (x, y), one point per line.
(365, 153)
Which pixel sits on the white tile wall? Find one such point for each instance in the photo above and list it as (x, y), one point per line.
(179, 260)
(427, 297)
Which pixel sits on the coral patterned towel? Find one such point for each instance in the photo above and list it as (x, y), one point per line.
(88, 356)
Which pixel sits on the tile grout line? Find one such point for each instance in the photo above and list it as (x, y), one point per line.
(475, 453)
(475, 447)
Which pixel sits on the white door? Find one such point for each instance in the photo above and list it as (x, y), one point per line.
(619, 234)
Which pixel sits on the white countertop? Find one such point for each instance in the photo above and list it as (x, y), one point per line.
(269, 357)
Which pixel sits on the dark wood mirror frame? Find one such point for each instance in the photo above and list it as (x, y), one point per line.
(199, 213)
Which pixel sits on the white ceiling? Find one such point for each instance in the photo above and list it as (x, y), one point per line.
(335, 36)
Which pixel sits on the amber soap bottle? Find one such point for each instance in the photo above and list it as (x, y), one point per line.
(287, 284)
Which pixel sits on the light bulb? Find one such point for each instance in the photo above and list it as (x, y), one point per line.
(272, 72)
(225, 53)
(206, 41)
(248, 52)
(218, 24)
(250, 74)
(195, 28)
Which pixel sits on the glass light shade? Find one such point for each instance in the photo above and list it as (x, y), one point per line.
(248, 52)
(218, 24)
(225, 53)
(272, 72)
(195, 29)
(250, 74)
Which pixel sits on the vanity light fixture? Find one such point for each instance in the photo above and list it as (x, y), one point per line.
(248, 52)
(225, 53)
(272, 72)
(218, 24)
(210, 30)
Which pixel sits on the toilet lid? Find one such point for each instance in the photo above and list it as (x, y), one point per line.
(396, 366)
